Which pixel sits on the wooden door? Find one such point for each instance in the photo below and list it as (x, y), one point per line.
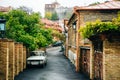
(85, 61)
(98, 60)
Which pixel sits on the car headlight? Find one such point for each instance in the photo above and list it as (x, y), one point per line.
(41, 62)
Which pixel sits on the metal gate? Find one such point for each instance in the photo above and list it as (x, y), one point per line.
(98, 60)
(85, 60)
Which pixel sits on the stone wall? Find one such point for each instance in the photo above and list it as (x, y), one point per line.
(112, 60)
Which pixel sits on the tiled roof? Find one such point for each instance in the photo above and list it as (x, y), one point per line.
(46, 21)
(5, 9)
(107, 5)
(51, 24)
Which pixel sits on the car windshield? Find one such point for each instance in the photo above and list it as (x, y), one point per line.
(37, 53)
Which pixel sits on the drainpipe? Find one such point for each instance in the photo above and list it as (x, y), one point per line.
(77, 40)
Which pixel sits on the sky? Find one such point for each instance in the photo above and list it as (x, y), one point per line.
(38, 5)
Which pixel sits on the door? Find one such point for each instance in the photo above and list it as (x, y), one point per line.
(98, 60)
(85, 61)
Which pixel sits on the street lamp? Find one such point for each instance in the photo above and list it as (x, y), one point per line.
(2, 27)
(74, 25)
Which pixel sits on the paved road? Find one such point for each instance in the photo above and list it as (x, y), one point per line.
(58, 68)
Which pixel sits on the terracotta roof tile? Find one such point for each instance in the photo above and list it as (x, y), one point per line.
(51, 24)
(106, 5)
(5, 9)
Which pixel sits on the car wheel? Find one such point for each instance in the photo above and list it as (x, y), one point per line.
(43, 65)
(28, 66)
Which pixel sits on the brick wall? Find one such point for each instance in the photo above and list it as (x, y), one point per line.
(12, 59)
(111, 55)
(17, 58)
(20, 56)
(11, 46)
(112, 60)
(89, 16)
(24, 57)
(4, 57)
(91, 61)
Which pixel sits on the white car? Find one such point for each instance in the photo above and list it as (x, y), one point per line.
(37, 58)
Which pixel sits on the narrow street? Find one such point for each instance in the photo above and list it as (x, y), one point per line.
(58, 68)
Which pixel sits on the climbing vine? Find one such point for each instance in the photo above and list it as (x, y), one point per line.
(99, 27)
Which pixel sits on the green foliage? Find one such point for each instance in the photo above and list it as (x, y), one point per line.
(48, 15)
(45, 37)
(51, 16)
(26, 9)
(2, 15)
(116, 21)
(96, 3)
(27, 28)
(98, 27)
(29, 41)
(54, 16)
(58, 35)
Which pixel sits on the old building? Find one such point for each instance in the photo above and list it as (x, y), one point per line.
(5, 9)
(80, 51)
(51, 7)
(64, 12)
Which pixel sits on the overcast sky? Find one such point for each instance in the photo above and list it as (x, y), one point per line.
(38, 5)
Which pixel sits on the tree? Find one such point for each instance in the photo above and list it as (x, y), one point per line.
(94, 3)
(26, 9)
(58, 35)
(48, 15)
(27, 28)
(51, 16)
(54, 16)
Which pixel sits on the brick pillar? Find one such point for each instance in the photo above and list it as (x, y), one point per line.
(66, 47)
(24, 57)
(21, 57)
(91, 61)
(78, 41)
(4, 57)
(11, 60)
(16, 58)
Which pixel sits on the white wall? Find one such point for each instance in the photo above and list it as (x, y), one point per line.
(72, 56)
